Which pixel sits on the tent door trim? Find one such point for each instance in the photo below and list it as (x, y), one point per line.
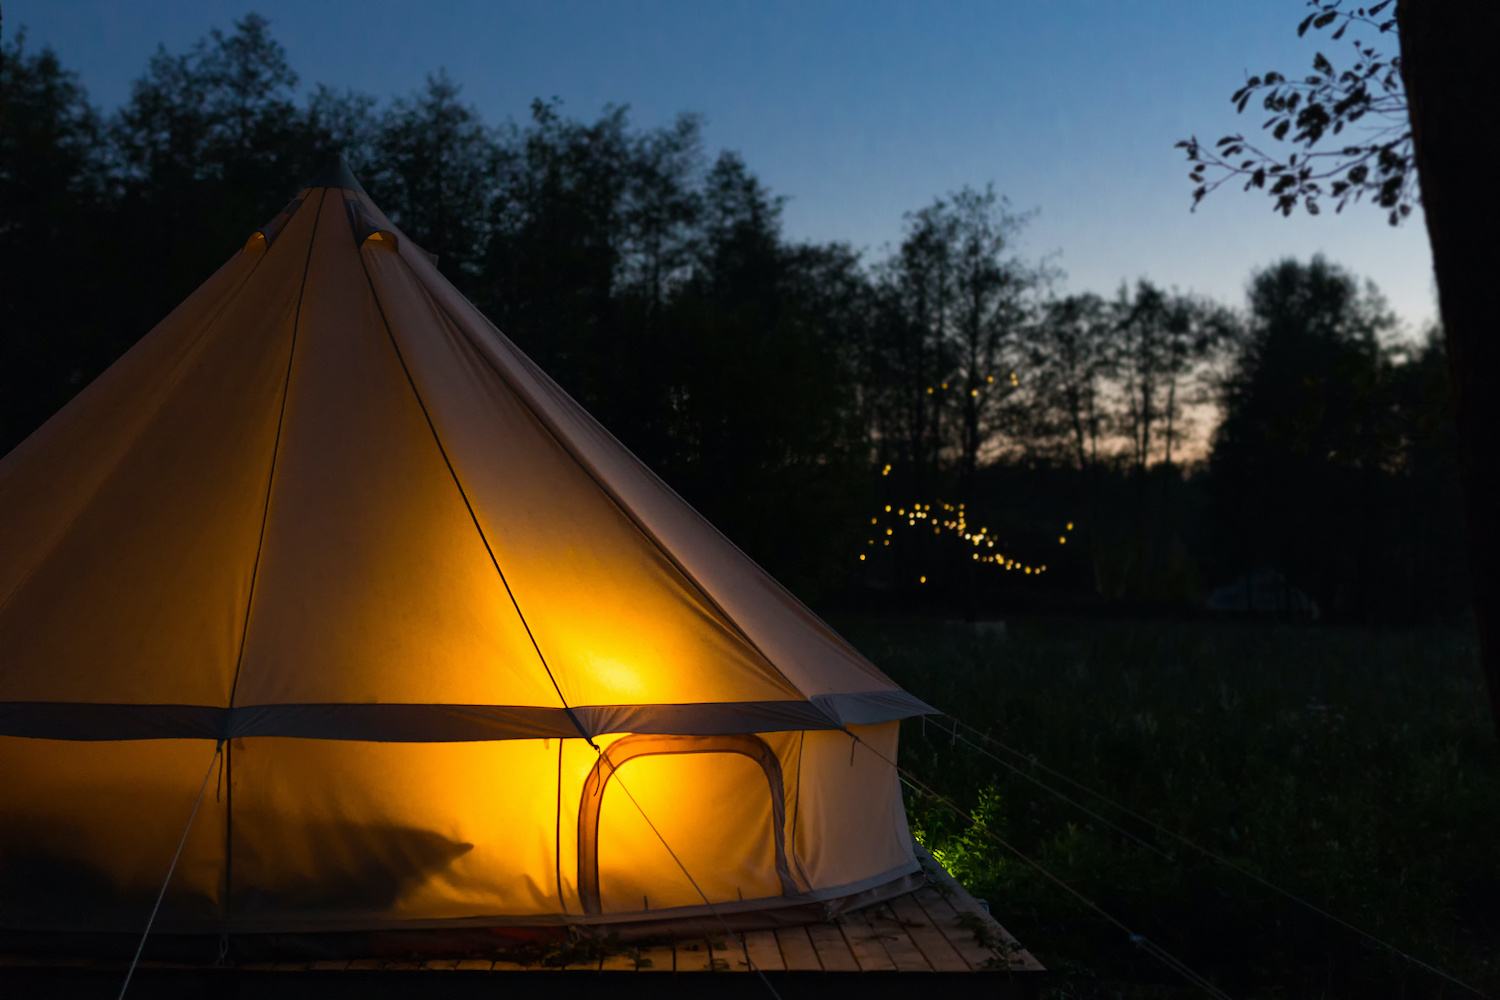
(630, 747)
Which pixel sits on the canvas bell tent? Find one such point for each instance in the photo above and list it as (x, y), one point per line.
(457, 643)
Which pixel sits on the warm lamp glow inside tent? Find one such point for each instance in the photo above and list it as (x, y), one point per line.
(458, 643)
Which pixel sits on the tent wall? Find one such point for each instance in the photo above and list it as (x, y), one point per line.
(343, 835)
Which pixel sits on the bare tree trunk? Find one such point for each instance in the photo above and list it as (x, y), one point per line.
(1447, 65)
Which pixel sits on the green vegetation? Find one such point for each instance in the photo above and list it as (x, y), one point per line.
(1354, 768)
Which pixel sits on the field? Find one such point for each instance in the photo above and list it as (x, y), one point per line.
(1356, 769)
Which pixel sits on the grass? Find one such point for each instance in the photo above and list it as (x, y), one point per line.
(1357, 769)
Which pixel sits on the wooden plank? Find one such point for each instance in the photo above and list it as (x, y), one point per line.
(693, 955)
(329, 966)
(620, 961)
(1016, 957)
(935, 947)
(475, 965)
(363, 964)
(764, 951)
(865, 944)
(797, 950)
(728, 954)
(833, 950)
(401, 966)
(897, 943)
(507, 966)
(948, 913)
(583, 965)
(256, 966)
(657, 959)
(946, 919)
(279, 966)
(440, 964)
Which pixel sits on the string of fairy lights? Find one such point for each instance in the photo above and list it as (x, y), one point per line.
(953, 519)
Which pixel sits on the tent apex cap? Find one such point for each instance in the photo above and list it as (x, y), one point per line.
(335, 173)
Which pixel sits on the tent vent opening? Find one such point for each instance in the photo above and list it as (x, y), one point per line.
(366, 229)
(266, 235)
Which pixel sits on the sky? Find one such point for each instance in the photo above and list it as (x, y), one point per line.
(857, 111)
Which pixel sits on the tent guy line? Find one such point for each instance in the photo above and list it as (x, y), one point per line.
(1218, 858)
(135, 959)
(1141, 941)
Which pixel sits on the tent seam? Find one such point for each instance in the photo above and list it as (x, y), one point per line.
(464, 494)
(260, 543)
(611, 495)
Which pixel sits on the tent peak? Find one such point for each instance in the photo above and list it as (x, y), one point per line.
(335, 173)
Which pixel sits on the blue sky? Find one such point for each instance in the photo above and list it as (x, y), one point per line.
(857, 111)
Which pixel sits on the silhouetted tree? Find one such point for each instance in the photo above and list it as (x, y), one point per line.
(433, 166)
(52, 189)
(1297, 458)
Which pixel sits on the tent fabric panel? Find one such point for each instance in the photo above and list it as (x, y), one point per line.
(803, 648)
(331, 834)
(47, 478)
(141, 595)
(88, 830)
(614, 617)
(374, 584)
(851, 823)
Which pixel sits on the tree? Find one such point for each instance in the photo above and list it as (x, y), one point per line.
(1160, 344)
(955, 303)
(1449, 96)
(1298, 461)
(1069, 364)
(434, 166)
(52, 186)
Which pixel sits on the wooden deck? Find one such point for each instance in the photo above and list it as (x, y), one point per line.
(880, 950)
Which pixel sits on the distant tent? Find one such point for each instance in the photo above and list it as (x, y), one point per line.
(328, 513)
(1263, 592)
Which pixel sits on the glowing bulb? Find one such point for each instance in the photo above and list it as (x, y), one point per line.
(922, 580)
(874, 520)
(887, 508)
(888, 531)
(861, 557)
(1070, 523)
(1062, 540)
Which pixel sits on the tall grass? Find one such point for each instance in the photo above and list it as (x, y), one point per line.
(1355, 768)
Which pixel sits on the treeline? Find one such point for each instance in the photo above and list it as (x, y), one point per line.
(811, 402)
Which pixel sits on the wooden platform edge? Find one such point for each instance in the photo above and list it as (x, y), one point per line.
(974, 923)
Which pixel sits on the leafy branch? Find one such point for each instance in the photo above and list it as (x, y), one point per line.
(1367, 99)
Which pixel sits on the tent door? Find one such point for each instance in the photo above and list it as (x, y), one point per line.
(717, 801)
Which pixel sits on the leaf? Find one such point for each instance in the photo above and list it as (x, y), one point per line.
(1340, 33)
(1322, 65)
(1282, 129)
(1306, 21)
(1324, 19)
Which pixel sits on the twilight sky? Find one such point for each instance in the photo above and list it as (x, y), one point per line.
(858, 110)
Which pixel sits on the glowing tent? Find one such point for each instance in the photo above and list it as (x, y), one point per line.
(327, 514)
